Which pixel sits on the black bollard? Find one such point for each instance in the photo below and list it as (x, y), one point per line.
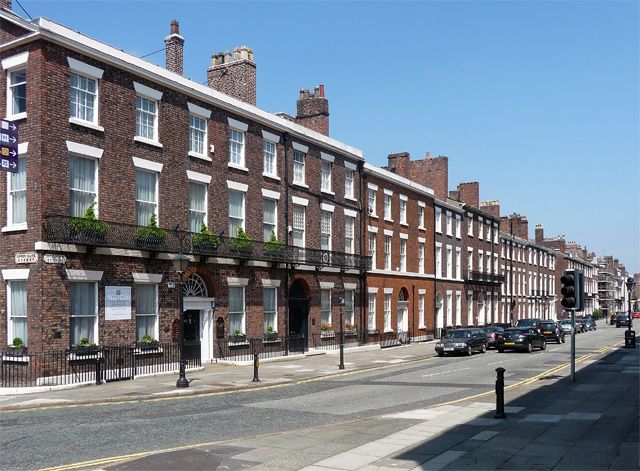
(500, 394)
(98, 371)
(256, 364)
(341, 365)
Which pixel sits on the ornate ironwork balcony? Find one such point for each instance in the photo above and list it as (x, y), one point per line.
(96, 233)
(483, 278)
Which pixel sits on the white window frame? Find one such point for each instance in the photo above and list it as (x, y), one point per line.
(299, 177)
(326, 214)
(480, 228)
(156, 323)
(438, 218)
(349, 314)
(458, 263)
(243, 218)
(421, 321)
(449, 255)
(470, 260)
(421, 211)
(458, 308)
(403, 210)
(349, 226)
(449, 219)
(237, 288)
(349, 182)
(94, 315)
(372, 208)
(296, 227)
(326, 174)
(387, 312)
(14, 64)
(11, 225)
(325, 311)
(373, 245)
(388, 202)
(387, 252)
(470, 224)
(155, 203)
(265, 223)
(371, 315)
(421, 246)
(140, 111)
(205, 213)
(95, 204)
(199, 112)
(403, 255)
(458, 226)
(19, 276)
(273, 312)
(11, 116)
(198, 135)
(438, 260)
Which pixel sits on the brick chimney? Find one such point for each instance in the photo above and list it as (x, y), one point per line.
(234, 74)
(470, 193)
(491, 207)
(432, 173)
(399, 163)
(313, 110)
(174, 49)
(6, 4)
(539, 233)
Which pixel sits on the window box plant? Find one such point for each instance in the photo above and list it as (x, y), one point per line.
(350, 329)
(85, 347)
(17, 348)
(241, 244)
(204, 241)
(274, 248)
(326, 331)
(238, 338)
(150, 237)
(271, 335)
(87, 229)
(148, 343)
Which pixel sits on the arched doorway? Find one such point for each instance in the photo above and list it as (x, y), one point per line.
(403, 310)
(197, 317)
(299, 296)
(439, 313)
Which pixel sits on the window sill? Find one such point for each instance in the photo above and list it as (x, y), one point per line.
(388, 220)
(350, 198)
(388, 331)
(144, 140)
(86, 124)
(273, 177)
(422, 228)
(200, 156)
(15, 228)
(303, 185)
(374, 216)
(16, 117)
(237, 167)
(328, 192)
(404, 224)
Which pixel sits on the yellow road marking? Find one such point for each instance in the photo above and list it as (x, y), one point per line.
(117, 459)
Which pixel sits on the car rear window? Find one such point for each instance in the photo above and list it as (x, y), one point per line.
(548, 326)
(459, 334)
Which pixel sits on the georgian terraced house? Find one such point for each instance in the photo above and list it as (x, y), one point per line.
(104, 130)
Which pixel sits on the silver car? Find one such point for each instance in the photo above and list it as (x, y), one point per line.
(565, 325)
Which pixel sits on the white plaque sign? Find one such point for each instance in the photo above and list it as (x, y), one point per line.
(54, 258)
(117, 303)
(26, 257)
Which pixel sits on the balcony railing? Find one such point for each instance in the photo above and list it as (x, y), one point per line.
(484, 278)
(65, 230)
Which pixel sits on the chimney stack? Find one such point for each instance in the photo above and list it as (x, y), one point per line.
(174, 49)
(313, 110)
(398, 163)
(234, 74)
(491, 207)
(539, 233)
(6, 4)
(470, 193)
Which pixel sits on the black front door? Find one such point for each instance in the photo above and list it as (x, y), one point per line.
(298, 320)
(191, 330)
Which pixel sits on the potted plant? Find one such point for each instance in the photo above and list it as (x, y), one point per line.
(85, 347)
(17, 348)
(241, 244)
(326, 330)
(274, 247)
(271, 334)
(350, 329)
(88, 229)
(205, 241)
(148, 343)
(150, 237)
(238, 337)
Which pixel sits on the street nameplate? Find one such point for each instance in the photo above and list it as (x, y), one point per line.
(26, 257)
(8, 146)
(54, 258)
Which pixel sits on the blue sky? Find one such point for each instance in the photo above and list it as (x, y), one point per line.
(517, 94)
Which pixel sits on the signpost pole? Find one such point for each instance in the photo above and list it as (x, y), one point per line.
(573, 344)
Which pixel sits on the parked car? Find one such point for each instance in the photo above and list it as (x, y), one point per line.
(590, 322)
(521, 338)
(552, 331)
(565, 325)
(493, 332)
(534, 323)
(622, 319)
(635, 315)
(464, 341)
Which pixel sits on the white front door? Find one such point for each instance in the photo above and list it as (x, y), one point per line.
(403, 318)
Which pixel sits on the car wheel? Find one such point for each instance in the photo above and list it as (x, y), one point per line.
(440, 354)
(544, 345)
(529, 347)
(484, 348)
(469, 350)
(500, 350)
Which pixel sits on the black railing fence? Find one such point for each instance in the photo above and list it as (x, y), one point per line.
(93, 364)
(69, 230)
(328, 341)
(483, 277)
(242, 349)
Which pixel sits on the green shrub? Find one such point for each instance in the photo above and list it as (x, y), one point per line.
(273, 244)
(17, 342)
(89, 224)
(204, 238)
(151, 232)
(241, 241)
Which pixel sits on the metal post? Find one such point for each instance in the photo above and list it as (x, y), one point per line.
(341, 365)
(98, 371)
(256, 365)
(573, 344)
(500, 394)
(182, 382)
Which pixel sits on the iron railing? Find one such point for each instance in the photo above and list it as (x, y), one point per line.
(93, 364)
(328, 341)
(473, 276)
(67, 230)
(243, 349)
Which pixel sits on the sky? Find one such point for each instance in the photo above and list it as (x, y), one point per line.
(539, 101)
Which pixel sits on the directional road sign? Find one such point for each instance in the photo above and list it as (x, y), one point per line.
(8, 146)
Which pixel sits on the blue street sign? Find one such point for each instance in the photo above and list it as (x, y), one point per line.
(8, 146)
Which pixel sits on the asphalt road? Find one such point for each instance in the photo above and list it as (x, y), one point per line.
(47, 437)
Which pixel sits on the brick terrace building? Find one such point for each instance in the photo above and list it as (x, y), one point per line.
(400, 240)
(102, 129)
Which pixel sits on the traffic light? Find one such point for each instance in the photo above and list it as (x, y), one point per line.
(572, 290)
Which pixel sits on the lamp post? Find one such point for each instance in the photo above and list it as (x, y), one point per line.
(341, 365)
(630, 284)
(180, 264)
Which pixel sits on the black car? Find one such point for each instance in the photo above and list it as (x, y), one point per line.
(493, 332)
(532, 323)
(622, 319)
(521, 338)
(552, 332)
(464, 341)
(590, 322)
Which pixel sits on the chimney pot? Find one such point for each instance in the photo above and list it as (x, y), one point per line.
(175, 27)
(6, 4)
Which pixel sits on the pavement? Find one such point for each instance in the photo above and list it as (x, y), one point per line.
(592, 423)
